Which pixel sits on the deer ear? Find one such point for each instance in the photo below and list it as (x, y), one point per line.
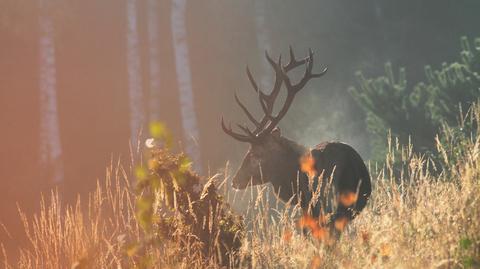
(276, 132)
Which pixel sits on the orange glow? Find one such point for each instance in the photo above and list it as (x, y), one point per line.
(348, 199)
(307, 165)
(320, 233)
(287, 235)
(152, 164)
(315, 226)
(316, 262)
(385, 250)
(307, 222)
(340, 223)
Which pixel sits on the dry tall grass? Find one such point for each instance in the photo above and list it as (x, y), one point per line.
(416, 218)
(90, 235)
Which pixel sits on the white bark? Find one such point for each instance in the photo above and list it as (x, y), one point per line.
(137, 117)
(189, 120)
(154, 59)
(50, 146)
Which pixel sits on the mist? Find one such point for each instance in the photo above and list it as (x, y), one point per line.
(117, 65)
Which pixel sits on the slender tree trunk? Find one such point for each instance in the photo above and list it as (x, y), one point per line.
(154, 60)
(50, 146)
(189, 120)
(263, 43)
(137, 117)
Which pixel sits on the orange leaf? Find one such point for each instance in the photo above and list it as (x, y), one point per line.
(319, 233)
(348, 199)
(340, 223)
(385, 250)
(316, 262)
(307, 222)
(307, 165)
(287, 235)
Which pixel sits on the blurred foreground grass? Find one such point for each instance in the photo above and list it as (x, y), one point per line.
(422, 214)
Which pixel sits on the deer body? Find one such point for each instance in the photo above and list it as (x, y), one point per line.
(336, 164)
(341, 165)
(337, 168)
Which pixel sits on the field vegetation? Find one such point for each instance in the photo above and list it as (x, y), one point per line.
(423, 213)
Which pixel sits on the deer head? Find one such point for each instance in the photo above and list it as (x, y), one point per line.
(271, 157)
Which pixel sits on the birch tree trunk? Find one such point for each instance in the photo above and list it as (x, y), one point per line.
(50, 146)
(189, 120)
(137, 117)
(154, 58)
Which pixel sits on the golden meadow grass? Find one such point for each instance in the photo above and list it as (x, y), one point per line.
(422, 214)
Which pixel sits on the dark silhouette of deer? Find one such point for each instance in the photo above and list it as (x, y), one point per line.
(338, 182)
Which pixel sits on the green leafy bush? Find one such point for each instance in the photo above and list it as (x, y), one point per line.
(174, 205)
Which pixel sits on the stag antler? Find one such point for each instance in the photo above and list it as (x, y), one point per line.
(267, 101)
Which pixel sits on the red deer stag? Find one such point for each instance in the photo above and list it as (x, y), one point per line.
(337, 176)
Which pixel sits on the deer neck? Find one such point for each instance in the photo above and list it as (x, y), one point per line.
(289, 174)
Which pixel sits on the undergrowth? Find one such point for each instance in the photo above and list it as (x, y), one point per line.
(173, 218)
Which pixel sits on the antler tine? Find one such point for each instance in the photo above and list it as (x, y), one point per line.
(292, 55)
(246, 130)
(236, 136)
(245, 110)
(293, 61)
(312, 75)
(267, 101)
(277, 85)
(275, 120)
(254, 83)
(252, 80)
(292, 90)
(267, 109)
(270, 60)
(306, 76)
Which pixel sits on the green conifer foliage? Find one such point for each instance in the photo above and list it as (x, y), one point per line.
(418, 111)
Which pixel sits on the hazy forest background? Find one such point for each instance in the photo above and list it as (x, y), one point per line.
(92, 83)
